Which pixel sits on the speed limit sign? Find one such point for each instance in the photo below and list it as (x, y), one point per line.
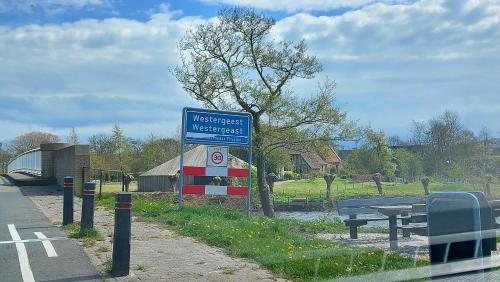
(217, 156)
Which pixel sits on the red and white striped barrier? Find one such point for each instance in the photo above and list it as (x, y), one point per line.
(214, 190)
(215, 171)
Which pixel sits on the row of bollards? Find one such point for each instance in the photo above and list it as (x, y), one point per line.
(122, 230)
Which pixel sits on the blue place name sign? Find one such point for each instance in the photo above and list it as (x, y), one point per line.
(216, 127)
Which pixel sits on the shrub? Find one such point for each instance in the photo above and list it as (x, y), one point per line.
(311, 176)
(290, 175)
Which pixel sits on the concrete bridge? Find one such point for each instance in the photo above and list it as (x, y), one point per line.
(49, 164)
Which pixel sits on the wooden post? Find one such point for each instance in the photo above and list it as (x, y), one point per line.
(329, 178)
(425, 183)
(487, 188)
(377, 177)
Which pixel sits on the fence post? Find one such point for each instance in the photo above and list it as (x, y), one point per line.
(100, 183)
(68, 200)
(121, 241)
(88, 195)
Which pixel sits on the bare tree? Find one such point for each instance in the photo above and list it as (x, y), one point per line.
(486, 141)
(29, 141)
(5, 157)
(119, 142)
(232, 64)
(395, 140)
(73, 136)
(418, 133)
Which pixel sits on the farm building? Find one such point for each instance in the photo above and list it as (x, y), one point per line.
(311, 161)
(158, 178)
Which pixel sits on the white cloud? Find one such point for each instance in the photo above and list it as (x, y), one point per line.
(302, 5)
(392, 64)
(395, 63)
(91, 73)
(424, 30)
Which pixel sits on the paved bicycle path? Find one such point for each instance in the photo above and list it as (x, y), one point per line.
(25, 255)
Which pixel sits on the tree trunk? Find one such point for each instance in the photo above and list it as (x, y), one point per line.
(271, 179)
(487, 186)
(126, 181)
(265, 202)
(173, 181)
(329, 178)
(377, 177)
(425, 182)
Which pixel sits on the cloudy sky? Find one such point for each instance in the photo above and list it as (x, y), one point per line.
(91, 63)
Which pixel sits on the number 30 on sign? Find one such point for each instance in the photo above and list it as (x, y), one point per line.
(217, 156)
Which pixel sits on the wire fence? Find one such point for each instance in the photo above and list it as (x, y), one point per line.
(109, 180)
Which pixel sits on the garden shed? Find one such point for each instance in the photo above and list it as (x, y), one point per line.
(158, 178)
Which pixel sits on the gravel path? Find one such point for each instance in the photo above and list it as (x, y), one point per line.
(157, 254)
(406, 246)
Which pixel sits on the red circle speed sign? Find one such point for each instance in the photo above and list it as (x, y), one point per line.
(217, 157)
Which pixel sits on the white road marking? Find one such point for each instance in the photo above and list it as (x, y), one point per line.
(51, 252)
(33, 240)
(24, 263)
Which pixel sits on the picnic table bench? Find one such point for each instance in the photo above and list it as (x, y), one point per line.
(417, 220)
(410, 210)
(370, 207)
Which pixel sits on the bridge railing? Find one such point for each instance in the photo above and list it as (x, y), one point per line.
(29, 161)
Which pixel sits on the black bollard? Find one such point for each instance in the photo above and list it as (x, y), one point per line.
(68, 200)
(88, 206)
(121, 242)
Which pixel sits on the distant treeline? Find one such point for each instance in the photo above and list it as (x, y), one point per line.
(441, 147)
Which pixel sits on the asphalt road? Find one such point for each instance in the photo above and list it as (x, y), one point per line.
(30, 257)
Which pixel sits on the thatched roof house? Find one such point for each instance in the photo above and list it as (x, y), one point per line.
(157, 178)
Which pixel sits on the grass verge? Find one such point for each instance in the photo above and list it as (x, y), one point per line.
(341, 188)
(281, 245)
(88, 236)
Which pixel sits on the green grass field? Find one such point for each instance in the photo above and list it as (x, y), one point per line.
(113, 187)
(283, 246)
(343, 188)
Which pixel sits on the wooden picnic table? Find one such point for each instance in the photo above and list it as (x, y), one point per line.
(392, 212)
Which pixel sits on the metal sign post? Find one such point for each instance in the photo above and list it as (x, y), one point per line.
(221, 129)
